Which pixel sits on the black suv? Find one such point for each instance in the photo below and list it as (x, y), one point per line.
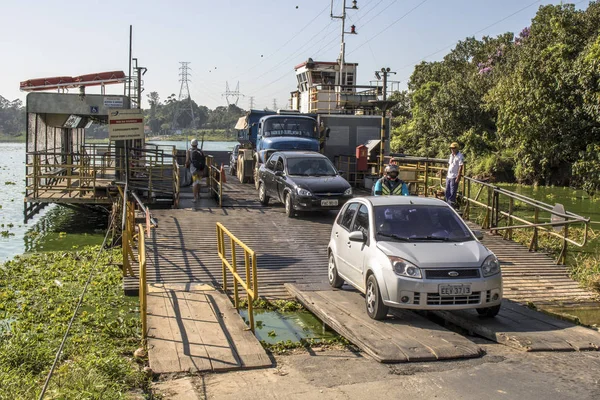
(303, 181)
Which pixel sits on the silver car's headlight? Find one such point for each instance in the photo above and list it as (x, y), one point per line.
(348, 192)
(405, 268)
(303, 192)
(491, 266)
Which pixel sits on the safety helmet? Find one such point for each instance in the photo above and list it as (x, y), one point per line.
(194, 142)
(392, 170)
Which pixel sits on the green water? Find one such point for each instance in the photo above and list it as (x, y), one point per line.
(575, 200)
(55, 228)
(276, 326)
(587, 315)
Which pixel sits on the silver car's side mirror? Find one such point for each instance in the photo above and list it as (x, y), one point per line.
(478, 235)
(357, 236)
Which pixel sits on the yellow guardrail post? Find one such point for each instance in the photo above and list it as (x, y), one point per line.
(250, 284)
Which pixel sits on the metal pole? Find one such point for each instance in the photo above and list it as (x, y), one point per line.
(343, 48)
(385, 74)
(382, 144)
(130, 54)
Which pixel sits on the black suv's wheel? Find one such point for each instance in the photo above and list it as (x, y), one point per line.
(332, 274)
(262, 195)
(375, 307)
(489, 312)
(289, 208)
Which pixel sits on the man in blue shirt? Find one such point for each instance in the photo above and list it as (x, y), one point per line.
(389, 184)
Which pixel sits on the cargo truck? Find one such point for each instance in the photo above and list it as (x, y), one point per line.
(261, 132)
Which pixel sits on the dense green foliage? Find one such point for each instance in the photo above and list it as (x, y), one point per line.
(524, 107)
(12, 118)
(38, 295)
(162, 117)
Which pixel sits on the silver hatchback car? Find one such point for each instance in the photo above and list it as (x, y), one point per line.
(414, 253)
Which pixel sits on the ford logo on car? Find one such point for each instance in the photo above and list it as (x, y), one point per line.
(453, 273)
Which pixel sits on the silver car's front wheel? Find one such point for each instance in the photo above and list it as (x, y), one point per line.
(375, 307)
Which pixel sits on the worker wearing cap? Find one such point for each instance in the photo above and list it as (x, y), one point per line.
(195, 161)
(390, 184)
(455, 171)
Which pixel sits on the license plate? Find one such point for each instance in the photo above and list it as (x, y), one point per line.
(329, 202)
(455, 290)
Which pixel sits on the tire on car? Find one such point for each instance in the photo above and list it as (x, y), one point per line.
(262, 194)
(289, 207)
(332, 274)
(489, 312)
(375, 307)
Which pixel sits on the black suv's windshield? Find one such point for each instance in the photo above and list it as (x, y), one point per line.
(420, 223)
(290, 127)
(310, 166)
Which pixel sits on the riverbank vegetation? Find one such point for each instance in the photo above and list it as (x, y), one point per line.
(524, 107)
(12, 120)
(38, 294)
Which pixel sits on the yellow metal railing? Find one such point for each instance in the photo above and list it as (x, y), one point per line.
(87, 173)
(250, 284)
(143, 293)
(215, 183)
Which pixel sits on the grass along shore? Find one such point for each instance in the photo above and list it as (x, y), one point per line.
(38, 294)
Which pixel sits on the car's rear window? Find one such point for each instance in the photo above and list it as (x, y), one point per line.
(419, 222)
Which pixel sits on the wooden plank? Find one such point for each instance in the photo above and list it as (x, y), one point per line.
(162, 351)
(403, 338)
(525, 329)
(208, 330)
(250, 352)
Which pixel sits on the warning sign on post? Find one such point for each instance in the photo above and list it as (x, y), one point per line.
(125, 124)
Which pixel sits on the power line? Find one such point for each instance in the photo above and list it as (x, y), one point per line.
(479, 31)
(390, 25)
(294, 36)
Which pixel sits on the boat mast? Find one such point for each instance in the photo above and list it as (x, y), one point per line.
(342, 59)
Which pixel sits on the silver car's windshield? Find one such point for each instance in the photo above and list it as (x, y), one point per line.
(409, 222)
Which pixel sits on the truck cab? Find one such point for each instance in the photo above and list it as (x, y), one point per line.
(261, 133)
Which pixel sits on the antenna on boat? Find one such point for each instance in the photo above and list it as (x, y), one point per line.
(341, 80)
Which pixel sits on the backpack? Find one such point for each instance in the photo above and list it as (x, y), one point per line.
(198, 159)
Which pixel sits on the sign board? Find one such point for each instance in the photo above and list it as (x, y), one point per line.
(125, 124)
(113, 102)
(559, 208)
(93, 109)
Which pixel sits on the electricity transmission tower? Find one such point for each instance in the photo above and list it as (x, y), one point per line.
(251, 102)
(232, 93)
(184, 97)
(274, 104)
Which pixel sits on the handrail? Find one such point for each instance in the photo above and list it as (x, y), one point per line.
(426, 168)
(215, 185)
(251, 282)
(143, 291)
(150, 221)
(493, 214)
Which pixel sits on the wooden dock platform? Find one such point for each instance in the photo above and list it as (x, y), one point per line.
(404, 337)
(184, 249)
(194, 328)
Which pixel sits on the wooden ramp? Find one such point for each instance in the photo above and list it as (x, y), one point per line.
(525, 329)
(406, 337)
(195, 328)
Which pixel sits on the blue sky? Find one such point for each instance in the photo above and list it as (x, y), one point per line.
(257, 43)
